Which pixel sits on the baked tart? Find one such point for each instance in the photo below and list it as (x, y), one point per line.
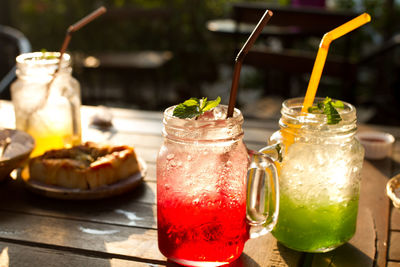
(86, 166)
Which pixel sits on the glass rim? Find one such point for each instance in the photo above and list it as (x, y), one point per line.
(203, 131)
(237, 117)
(349, 108)
(292, 107)
(35, 58)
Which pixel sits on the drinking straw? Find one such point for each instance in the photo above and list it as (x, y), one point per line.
(240, 57)
(288, 134)
(75, 27)
(71, 29)
(323, 52)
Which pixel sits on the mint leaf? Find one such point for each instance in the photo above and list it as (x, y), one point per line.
(211, 104)
(191, 102)
(331, 114)
(338, 104)
(43, 51)
(194, 107)
(181, 111)
(329, 108)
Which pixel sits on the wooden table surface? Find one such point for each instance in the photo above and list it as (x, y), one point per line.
(121, 231)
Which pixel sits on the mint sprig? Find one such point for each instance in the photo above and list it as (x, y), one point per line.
(44, 51)
(194, 107)
(329, 108)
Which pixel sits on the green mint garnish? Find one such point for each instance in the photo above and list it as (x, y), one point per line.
(43, 51)
(194, 107)
(329, 108)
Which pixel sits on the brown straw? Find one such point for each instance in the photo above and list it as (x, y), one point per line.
(73, 28)
(240, 57)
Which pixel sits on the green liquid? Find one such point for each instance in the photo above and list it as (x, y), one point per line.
(315, 228)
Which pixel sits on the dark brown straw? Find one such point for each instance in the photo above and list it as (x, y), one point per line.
(240, 57)
(73, 28)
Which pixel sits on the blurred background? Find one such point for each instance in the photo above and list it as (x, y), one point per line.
(150, 54)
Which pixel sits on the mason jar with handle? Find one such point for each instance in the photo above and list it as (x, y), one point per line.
(320, 172)
(212, 193)
(47, 100)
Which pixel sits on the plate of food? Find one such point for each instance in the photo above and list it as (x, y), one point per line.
(15, 148)
(87, 171)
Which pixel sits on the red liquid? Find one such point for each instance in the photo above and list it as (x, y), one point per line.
(202, 213)
(208, 234)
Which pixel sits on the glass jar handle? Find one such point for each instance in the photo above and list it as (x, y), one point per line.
(262, 194)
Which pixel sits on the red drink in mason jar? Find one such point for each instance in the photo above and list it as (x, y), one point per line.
(201, 189)
(203, 215)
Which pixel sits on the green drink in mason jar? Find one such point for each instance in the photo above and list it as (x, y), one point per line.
(319, 176)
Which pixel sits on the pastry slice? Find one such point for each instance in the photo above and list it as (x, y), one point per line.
(86, 166)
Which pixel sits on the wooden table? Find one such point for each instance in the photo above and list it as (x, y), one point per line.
(121, 231)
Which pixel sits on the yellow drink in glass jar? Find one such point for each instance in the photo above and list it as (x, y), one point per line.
(46, 102)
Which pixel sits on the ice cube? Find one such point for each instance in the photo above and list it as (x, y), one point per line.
(217, 113)
(55, 117)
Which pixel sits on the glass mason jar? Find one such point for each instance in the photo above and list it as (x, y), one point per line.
(202, 191)
(319, 178)
(47, 103)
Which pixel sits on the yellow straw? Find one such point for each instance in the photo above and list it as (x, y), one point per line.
(323, 52)
(288, 134)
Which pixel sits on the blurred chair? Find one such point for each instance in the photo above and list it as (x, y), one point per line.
(127, 68)
(12, 43)
(294, 25)
(284, 45)
(381, 67)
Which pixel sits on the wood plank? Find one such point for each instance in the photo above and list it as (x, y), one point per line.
(265, 251)
(393, 264)
(120, 240)
(26, 256)
(89, 111)
(281, 256)
(155, 141)
(7, 118)
(121, 114)
(373, 186)
(122, 138)
(395, 219)
(151, 175)
(396, 158)
(136, 208)
(394, 249)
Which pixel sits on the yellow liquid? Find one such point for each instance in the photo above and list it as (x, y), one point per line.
(52, 126)
(44, 143)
